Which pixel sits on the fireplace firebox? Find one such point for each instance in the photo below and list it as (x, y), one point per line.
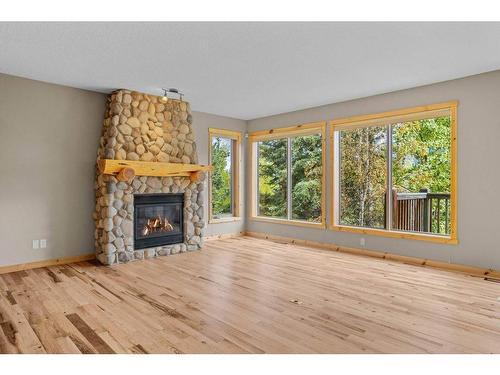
(158, 220)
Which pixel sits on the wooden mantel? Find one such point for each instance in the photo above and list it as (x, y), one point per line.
(126, 170)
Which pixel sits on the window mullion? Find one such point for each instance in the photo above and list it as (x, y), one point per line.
(257, 177)
(388, 202)
(231, 175)
(289, 178)
(336, 214)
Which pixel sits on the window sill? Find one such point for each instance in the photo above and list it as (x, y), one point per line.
(224, 220)
(451, 240)
(298, 223)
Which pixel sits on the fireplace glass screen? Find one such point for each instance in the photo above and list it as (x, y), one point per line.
(158, 220)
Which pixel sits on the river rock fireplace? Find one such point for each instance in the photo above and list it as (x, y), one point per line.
(141, 215)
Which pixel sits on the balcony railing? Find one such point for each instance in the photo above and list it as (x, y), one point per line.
(421, 212)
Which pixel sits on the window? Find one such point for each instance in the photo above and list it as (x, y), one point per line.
(224, 157)
(394, 173)
(288, 175)
(272, 175)
(362, 176)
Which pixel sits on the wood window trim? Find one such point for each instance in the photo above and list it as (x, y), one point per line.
(345, 123)
(237, 137)
(285, 132)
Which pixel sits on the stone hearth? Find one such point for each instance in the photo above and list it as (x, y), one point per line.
(142, 127)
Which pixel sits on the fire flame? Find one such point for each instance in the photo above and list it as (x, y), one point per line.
(157, 224)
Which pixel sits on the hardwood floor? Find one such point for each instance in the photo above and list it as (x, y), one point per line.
(247, 295)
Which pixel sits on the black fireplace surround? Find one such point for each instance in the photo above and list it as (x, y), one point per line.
(158, 220)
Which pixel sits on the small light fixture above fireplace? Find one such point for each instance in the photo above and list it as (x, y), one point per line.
(164, 98)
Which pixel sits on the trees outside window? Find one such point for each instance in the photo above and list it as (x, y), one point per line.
(289, 177)
(306, 159)
(222, 184)
(273, 176)
(395, 173)
(224, 158)
(363, 177)
(421, 162)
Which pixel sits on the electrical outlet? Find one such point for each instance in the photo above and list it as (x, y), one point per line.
(362, 241)
(36, 244)
(43, 243)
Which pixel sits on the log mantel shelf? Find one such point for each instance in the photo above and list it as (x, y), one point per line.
(126, 170)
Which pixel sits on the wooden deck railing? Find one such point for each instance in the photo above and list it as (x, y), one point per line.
(421, 212)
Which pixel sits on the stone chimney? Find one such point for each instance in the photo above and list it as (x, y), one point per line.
(142, 127)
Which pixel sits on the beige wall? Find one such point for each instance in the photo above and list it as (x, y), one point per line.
(49, 136)
(48, 143)
(478, 171)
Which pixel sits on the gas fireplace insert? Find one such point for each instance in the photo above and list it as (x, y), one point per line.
(158, 220)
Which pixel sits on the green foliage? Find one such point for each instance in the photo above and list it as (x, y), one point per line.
(306, 178)
(221, 177)
(272, 166)
(420, 160)
(362, 177)
(421, 155)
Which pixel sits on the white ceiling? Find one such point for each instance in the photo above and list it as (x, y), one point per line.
(250, 70)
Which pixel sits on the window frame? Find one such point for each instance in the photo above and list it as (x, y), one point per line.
(279, 133)
(235, 136)
(388, 118)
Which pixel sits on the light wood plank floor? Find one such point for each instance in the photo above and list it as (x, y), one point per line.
(248, 295)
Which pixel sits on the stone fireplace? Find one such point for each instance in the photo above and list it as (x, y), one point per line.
(147, 216)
